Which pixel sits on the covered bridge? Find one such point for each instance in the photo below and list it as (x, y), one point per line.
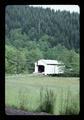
(49, 67)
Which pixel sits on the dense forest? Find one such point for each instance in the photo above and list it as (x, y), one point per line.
(34, 33)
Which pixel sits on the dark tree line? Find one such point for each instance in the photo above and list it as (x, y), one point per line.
(63, 27)
(34, 33)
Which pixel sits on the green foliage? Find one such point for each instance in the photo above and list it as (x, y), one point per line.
(44, 43)
(18, 38)
(9, 56)
(31, 57)
(56, 52)
(72, 63)
(61, 26)
(14, 59)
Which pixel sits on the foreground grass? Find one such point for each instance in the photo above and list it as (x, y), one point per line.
(29, 86)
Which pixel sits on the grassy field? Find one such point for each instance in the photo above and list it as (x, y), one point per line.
(29, 86)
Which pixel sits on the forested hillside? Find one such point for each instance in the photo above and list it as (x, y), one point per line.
(34, 33)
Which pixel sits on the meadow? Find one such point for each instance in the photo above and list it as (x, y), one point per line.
(26, 89)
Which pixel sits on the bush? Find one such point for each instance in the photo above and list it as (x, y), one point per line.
(47, 101)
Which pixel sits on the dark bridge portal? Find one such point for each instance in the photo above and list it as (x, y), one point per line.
(40, 68)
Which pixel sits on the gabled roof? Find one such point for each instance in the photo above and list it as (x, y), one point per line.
(50, 62)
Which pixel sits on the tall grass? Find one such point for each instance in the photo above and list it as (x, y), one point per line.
(22, 101)
(70, 105)
(47, 101)
(29, 99)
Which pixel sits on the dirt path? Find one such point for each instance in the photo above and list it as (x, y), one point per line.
(13, 111)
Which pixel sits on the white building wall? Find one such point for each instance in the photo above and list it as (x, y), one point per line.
(36, 68)
(52, 69)
(45, 69)
(56, 69)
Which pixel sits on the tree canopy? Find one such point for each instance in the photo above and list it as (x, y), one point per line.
(35, 33)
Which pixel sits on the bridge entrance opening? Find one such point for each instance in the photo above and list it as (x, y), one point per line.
(40, 68)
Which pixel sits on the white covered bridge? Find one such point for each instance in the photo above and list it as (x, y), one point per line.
(49, 67)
